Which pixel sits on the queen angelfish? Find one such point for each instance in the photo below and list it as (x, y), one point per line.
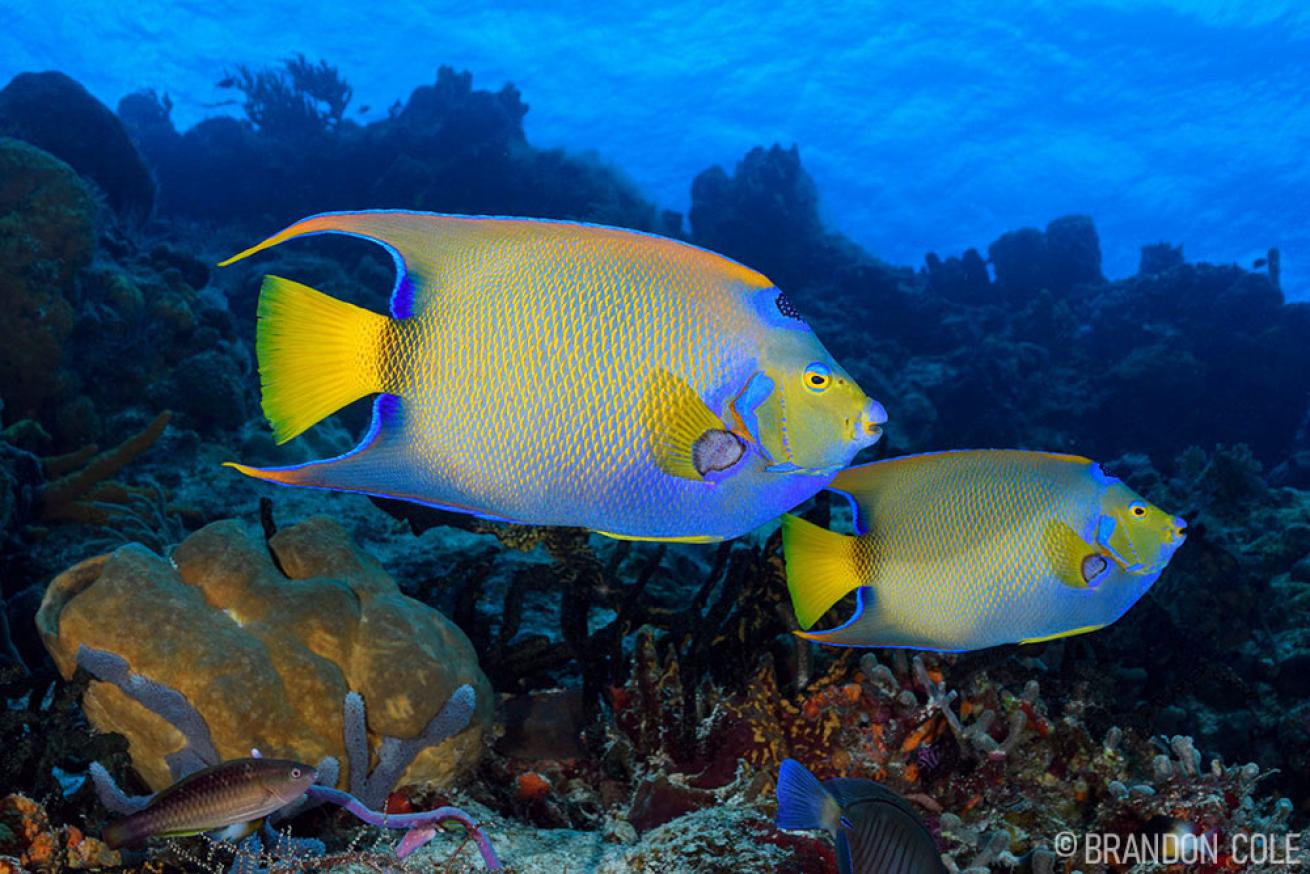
(555, 373)
(971, 549)
(876, 831)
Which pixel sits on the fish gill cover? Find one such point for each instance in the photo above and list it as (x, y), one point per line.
(1058, 180)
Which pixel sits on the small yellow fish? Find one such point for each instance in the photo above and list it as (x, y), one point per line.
(970, 549)
(237, 793)
(554, 373)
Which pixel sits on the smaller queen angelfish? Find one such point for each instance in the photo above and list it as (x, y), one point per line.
(970, 549)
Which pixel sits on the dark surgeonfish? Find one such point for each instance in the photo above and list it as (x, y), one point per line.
(239, 793)
(877, 832)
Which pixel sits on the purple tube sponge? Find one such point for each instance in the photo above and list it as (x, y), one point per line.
(394, 754)
(170, 704)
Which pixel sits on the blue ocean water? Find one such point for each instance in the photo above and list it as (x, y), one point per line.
(926, 126)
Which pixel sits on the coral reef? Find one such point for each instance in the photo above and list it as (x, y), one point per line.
(263, 641)
(646, 692)
(137, 313)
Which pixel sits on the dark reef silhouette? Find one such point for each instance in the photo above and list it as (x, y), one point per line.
(1192, 381)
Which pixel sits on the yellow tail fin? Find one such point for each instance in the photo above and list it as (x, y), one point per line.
(821, 567)
(316, 354)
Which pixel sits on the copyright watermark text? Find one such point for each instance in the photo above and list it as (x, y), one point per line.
(1173, 848)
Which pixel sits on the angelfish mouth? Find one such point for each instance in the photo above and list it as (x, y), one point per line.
(873, 417)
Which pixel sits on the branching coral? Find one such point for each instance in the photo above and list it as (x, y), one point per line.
(299, 98)
(370, 789)
(371, 786)
(80, 488)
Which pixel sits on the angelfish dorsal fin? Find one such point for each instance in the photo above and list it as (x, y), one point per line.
(676, 420)
(426, 247)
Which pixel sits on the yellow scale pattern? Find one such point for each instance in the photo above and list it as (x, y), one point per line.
(950, 547)
(521, 388)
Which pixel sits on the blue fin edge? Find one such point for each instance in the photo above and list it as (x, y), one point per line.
(402, 293)
(386, 408)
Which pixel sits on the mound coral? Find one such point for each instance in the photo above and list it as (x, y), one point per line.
(54, 112)
(47, 234)
(263, 641)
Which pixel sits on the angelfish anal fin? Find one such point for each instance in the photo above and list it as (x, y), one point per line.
(678, 538)
(1059, 634)
(674, 418)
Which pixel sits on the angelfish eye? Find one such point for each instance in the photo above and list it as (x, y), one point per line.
(1138, 509)
(295, 773)
(817, 377)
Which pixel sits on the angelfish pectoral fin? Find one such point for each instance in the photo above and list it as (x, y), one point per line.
(686, 439)
(1073, 560)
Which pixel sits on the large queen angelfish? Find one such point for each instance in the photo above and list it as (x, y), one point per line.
(555, 373)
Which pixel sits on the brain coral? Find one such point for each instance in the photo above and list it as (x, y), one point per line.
(265, 641)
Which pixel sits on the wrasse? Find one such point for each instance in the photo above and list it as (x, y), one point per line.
(240, 792)
(554, 373)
